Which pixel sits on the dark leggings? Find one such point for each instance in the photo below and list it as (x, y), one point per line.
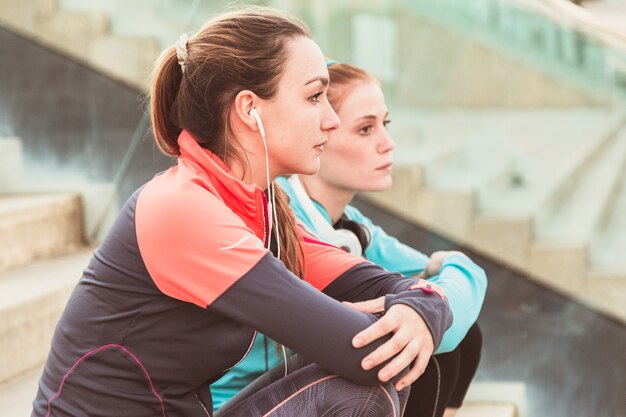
(308, 390)
(446, 379)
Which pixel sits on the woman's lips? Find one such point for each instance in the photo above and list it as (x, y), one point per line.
(320, 146)
(385, 167)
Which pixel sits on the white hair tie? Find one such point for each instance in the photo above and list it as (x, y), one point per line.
(181, 50)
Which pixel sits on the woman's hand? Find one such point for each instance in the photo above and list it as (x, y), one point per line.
(411, 341)
(436, 262)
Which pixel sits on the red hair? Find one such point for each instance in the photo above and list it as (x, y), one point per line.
(342, 78)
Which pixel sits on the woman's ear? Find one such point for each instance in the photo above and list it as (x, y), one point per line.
(245, 101)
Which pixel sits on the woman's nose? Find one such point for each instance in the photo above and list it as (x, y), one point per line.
(330, 120)
(386, 144)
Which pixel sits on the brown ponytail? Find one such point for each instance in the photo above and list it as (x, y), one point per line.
(292, 254)
(166, 82)
(241, 50)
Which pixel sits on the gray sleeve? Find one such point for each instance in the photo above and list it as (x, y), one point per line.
(272, 300)
(367, 281)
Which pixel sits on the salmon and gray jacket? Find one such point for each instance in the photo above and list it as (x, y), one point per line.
(174, 296)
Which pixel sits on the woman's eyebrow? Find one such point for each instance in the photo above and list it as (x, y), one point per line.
(371, 116)
(323, 80)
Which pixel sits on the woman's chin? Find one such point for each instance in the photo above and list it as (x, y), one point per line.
(310, 169)
(376, 186)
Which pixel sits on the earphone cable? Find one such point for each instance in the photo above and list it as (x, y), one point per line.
(275, 216)
(270, 194)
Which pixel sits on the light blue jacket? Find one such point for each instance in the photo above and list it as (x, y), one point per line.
(463, 282)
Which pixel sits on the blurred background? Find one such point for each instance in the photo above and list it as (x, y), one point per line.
(509, 118)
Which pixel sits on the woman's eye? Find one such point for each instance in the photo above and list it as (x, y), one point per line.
(365, 130)
(315, 97)
(386, 122)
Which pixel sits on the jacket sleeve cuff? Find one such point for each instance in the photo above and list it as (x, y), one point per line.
(433, 309)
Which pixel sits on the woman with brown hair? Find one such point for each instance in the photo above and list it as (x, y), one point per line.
(207, 253)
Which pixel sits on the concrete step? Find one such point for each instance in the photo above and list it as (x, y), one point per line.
(74, 30)
(34, 227)
(606, 276)
(605, 290)
(470, 168)
(32, 299)
(99, 201)
(23, 16)
(608, 244)
(496, 398)
(427, 144)
(86, 36)
(544, 174)
(506, 155)
(546, 169)
(17, 395)
(564, 228)
(164, 20)
(572, 214)
(10, 163)
(487, 410)
(125, 57)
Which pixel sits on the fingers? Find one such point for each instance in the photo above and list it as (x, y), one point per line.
(408, 332)
(418, 368)
(411, 343)
(403, 351)
(378, 329)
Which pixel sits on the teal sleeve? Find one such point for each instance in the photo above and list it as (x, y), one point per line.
(387, 251)
(464, 284)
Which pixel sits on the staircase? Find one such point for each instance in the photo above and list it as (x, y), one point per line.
(119, 38)
(43, 254)
(84, 35)
(541, 190)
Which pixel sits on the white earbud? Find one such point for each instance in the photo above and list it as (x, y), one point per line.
(257, 117)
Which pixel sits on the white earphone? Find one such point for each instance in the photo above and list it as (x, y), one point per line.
(257, 117)
(342, 238)
(271, 191)
(271, 201)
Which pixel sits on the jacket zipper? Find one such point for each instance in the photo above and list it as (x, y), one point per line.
(202, 404)
(266, 225)
(247, 351)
